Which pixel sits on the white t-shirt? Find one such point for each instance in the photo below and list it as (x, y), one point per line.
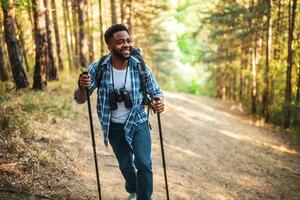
(120, 115)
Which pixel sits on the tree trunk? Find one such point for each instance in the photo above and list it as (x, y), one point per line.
(113, 11)
(29, 10)
(129, 18)
(254, 78)
(57, 37)
(126, 12)
(22, 42)
(234, 84)
(241, 86)
(41, 58)
(123, 10)
(266, 95)
(243, 76)
(52, 69)
(101, 29)
(298, 88)
(3, 68)
(90, 30)
(3, 71)
(82, 40)
(288, 89)
(278, 32)
(68, 34)
(75, 31)
(256, 54)
(13, 46)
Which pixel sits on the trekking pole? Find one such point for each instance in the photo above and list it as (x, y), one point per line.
(93, 142)
(163, 154)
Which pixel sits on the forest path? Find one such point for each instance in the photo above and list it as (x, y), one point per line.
(213, 151)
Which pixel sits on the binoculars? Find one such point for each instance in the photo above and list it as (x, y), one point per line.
(118, 96)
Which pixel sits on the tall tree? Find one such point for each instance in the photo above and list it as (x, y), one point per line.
(126, 12)
(41, 52)
(22, 43)
(3, 69)
(123, 10)
(52, 69)
(266, 96)
(298, 88)
(288, 89)
(57, 36)
(101, 28)
(30, 16)
(256, 52)
(13, 45)
(254, 61)
(90, 30)
(82, 40)
(114, 17)
(129, 16)
(75, 28)
(69, 45)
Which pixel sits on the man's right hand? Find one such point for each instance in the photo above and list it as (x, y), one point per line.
(84, 81)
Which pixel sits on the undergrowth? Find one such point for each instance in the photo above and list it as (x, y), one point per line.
(33, 150)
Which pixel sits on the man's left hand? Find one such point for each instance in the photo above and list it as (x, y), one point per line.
(158, 104)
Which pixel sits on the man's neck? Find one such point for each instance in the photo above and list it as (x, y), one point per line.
(118, 63)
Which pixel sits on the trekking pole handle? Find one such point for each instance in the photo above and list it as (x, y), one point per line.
(78, 82)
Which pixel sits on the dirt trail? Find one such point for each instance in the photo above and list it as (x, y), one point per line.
(212, 150)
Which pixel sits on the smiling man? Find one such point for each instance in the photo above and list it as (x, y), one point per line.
(121, 111)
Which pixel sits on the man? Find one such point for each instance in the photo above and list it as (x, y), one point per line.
(123, 118)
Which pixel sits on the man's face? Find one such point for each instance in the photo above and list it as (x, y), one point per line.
(120, 45)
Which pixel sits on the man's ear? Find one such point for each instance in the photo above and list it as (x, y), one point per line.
(109, 46)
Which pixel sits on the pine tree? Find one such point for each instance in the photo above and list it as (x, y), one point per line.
(41, 53)
(13, 45)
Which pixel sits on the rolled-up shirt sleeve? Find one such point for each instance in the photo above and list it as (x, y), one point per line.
(92, 72)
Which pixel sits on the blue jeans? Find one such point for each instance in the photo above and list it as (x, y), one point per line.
(134, 160)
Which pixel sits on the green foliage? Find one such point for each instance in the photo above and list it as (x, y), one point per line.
(17, 3)
(193, 46)
(235, 30)
(192, 50)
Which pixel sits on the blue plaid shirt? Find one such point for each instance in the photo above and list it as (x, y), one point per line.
(137, 114)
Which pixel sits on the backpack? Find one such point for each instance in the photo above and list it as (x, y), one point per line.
(136, 53)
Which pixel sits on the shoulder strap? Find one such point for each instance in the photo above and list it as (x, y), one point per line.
(100, 70)
(143, 74)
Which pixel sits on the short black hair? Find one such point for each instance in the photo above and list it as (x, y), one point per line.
(113, 29)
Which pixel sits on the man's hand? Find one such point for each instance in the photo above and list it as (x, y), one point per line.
(158, 104)
(84, 81)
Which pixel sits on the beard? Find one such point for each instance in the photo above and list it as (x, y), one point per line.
(120, 56)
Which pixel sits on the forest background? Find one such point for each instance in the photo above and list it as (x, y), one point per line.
(247, 51)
